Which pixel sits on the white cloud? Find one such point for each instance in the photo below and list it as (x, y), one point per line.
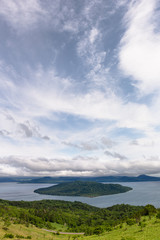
(93, 35)
(27, 15)
(22, 14)
(93, 57)
(36, 98)
(78, 166)
(139, 54)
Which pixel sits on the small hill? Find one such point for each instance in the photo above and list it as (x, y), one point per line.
(85, 189)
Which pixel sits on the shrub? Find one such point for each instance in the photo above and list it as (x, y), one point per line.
(158, 215)
(5, 228)
(8, 235)
(149, 210)
(108, 229)
(19, 236)
(98, 230)
(131, 222)
(142, 225)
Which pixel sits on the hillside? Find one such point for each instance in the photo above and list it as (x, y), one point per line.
(86, 189)
(74, 217)
(34, 220)
(148, 230)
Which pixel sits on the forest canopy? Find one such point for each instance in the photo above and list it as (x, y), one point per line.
(85, 189)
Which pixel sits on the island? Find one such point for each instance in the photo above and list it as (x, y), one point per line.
(85, 189)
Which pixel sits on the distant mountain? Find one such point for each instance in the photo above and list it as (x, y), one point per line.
(81, 188)
(41, 180)
(141, 178)
(7, 179)
(16, 179)
(147, 178)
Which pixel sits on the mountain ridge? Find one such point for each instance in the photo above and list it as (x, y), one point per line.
(140, 178)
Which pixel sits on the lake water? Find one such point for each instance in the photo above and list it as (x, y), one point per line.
(143, 193)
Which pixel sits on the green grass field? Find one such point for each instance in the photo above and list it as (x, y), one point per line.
(20, 231)
(148, 230)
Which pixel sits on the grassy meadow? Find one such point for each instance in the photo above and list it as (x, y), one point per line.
(147, 229)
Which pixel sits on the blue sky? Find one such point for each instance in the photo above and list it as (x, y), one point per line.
(79, 87)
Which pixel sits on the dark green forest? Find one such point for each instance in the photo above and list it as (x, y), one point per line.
(86, 189)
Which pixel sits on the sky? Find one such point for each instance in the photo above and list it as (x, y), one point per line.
(79, 87)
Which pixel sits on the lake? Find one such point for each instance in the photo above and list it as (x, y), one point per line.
(143, 193)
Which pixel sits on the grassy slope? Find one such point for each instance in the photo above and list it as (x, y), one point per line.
(150, 232)
(35, 233)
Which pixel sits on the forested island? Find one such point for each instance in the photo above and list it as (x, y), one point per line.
(85, 189)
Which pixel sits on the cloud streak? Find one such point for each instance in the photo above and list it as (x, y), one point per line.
(115, 155)
(140, 46)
